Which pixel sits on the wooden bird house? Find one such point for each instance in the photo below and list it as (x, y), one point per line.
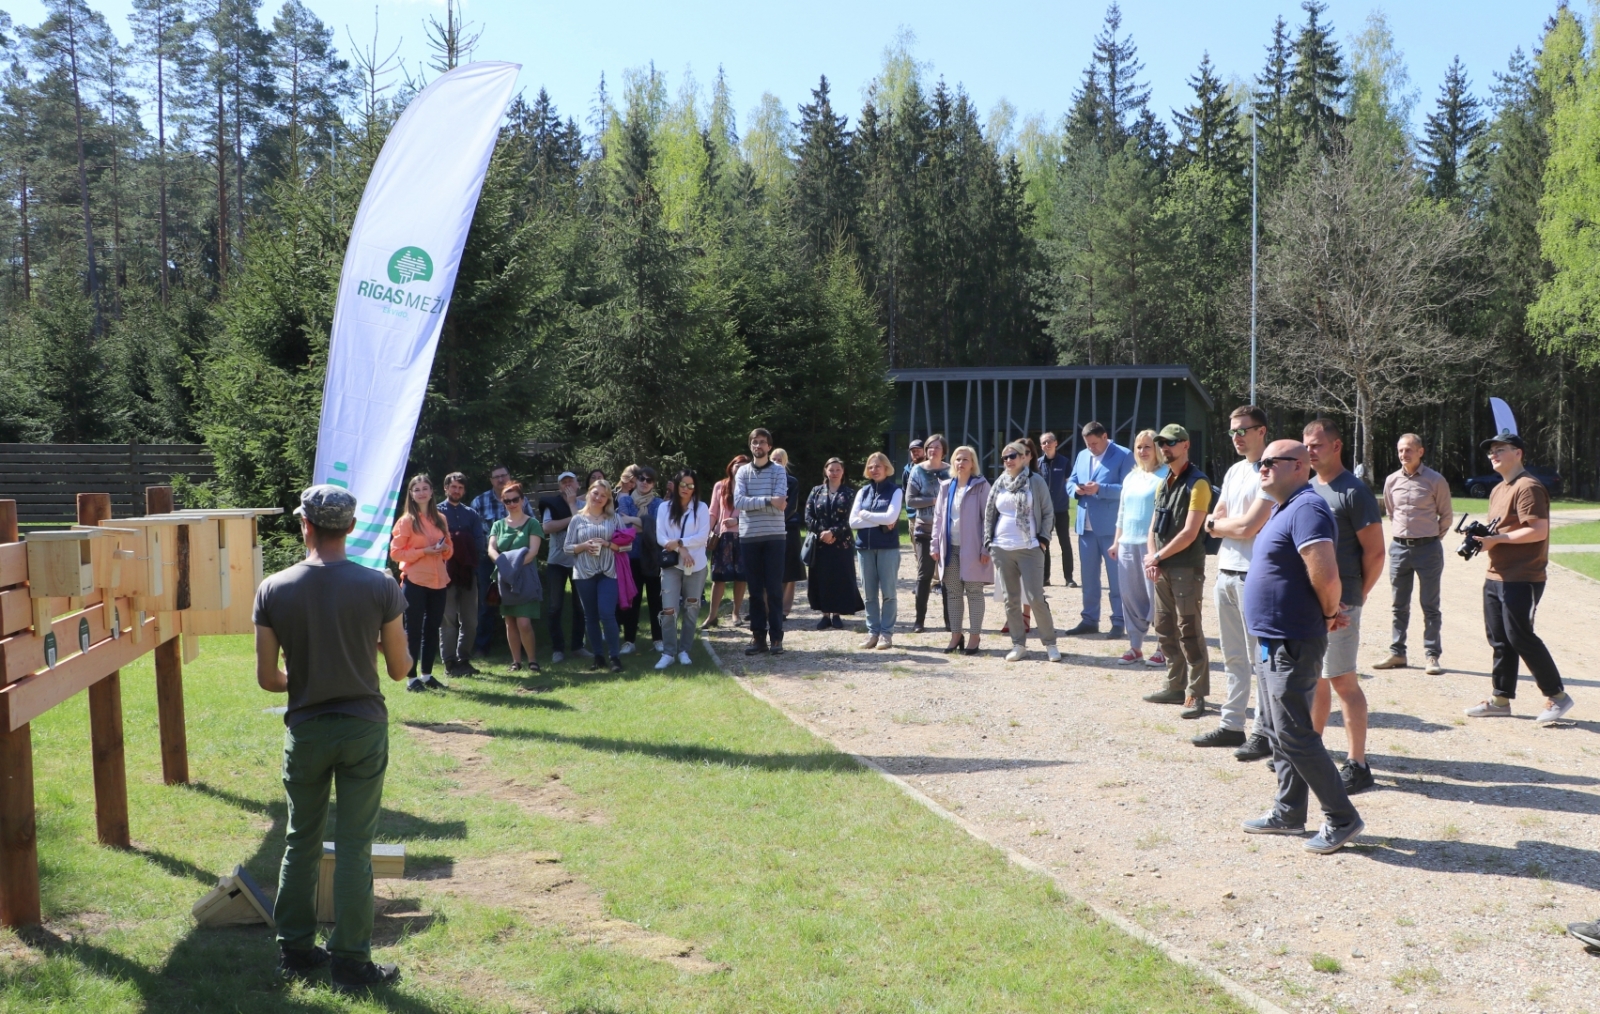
(227, 545)
(158, 578)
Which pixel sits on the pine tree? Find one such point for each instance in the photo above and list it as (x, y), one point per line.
(826, 189)
(1208, 130)
(1452, 141)
(310, 83)
(1318, 85)
(165, 38)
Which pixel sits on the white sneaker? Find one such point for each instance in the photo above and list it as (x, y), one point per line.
(627, 648)
(1489, 709)
(1017, 654)
(684, 659)
(1052, 653)
(1555, 711)
(657, 645)
(664, 661)
(558, 656)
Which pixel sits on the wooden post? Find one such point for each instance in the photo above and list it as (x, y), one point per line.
(169, 677)
(105, 722)
(19, 853)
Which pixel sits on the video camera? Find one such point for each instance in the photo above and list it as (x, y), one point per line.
(1474, 533)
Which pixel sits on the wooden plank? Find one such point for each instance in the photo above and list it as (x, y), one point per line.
(8, 521)
(13, 564)
(19, 850)
(158, 499)
(15, 612)
(20, 658)
(32, 696)
(169, 713)
(110, 765)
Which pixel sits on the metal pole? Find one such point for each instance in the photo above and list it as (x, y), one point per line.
(1253, 149)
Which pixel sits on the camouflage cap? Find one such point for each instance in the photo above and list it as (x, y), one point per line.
(1172, 433)
(327, 506)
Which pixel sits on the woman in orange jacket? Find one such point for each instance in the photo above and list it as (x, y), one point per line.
(421, 544)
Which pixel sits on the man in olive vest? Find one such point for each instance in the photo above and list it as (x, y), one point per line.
(1176, 562)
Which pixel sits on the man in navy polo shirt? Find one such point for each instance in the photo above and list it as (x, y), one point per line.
(1291, 603)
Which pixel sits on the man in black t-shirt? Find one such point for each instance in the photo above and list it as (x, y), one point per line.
(327, 616)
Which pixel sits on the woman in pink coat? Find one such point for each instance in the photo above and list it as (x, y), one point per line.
(957, 547)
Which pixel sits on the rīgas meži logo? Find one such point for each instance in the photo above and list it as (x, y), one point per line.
(406, 265)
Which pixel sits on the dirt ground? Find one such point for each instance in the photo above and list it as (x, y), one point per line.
(1481, 834)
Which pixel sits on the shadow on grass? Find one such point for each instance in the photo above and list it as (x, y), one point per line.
(1535, 860)
(390, 822)
(511, 700)
(177, 867)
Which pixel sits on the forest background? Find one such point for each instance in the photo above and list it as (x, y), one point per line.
(648, 278)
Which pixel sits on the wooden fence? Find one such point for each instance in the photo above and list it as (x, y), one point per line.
(45, 479)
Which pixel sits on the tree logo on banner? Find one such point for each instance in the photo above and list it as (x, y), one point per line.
(410, 264)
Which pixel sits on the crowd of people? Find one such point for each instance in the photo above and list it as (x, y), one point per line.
(1135, 524)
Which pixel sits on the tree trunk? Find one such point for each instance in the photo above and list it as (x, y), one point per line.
(161, 156)
(27, 260)
(83, 176)
(222, 187)
(238, 138)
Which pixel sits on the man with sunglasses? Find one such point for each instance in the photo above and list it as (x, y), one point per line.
(1242, 509)
(1176, 563)
(1291, 604)
(1518, 553)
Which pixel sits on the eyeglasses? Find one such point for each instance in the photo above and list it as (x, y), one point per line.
(1241, 431)
(1281, 460)
(1499, 449)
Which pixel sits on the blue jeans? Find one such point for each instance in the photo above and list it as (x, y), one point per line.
(599, 598)
(763, 572)
(880, 576)
(1094, 547)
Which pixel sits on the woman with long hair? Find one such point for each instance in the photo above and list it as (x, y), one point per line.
(1018, 521)
(831, 587)
(519, 529)
(644, 559)
(875, 517)
(420, 543)
(682, 525)
(724, 547)
(1134, 512)
(957, 547)
(595, 570)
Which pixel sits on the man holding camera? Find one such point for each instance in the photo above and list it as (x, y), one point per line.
(1417, 500)
(1518, 552)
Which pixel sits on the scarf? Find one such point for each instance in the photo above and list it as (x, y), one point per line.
(644, 500)
(1018, 487)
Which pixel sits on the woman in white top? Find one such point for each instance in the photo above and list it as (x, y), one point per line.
(682, 525)
(1018, 521)
(1134, 511)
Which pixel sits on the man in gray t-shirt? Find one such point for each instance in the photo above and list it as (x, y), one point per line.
(327, 616)
(1360, 553)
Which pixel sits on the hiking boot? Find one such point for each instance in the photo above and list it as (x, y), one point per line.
(757, 648)
(1434, 668)
(776, 649)
(1166, 697)
(1356, 777)
(1489, 709)
(358, 976)
(1271, 823)
(1220, 736)
(1558, 707)
(1392, 662)
(1254, 749)
(1194, 707)
(1331, 839)
(301, 964)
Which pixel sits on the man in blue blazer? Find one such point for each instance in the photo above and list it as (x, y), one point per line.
(1096, 483)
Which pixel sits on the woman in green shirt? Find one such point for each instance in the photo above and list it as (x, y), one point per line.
(519, 529)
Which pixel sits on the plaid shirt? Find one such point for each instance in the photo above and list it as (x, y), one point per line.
(489, 508)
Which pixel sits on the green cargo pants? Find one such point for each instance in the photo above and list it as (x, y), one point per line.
(318, 754)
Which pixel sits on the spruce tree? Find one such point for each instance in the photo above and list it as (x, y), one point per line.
(1317, 88)
(1452, 139)
(1274, 115)
(826, 189)
(1208, 129)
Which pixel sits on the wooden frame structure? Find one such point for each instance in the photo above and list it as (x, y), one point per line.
(78, 605)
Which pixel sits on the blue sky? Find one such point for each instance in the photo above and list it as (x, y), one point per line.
(1030, 54)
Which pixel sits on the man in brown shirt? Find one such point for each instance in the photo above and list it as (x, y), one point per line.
(1417, 500)
(1515, 582)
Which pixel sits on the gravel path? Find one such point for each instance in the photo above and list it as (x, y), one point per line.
(1480, 842)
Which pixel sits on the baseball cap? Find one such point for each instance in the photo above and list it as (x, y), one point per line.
(327, 506)
(564, 476)
(915, 443)
(1173, 434)
(1503, 437)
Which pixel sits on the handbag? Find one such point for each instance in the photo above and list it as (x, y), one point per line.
(669, 558)
(808, 549)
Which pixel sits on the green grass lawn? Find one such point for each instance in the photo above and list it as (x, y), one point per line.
(1582, 533)
(817, 885)
(1584, 563)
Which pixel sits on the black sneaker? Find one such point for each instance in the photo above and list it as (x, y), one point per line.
(1220, 737)
(598, 663)
(1356, 777)
(301, 963)
(616, 665)
(757, 648)
(416, 686)
(838, 623)
(431, 683)
(1255, 748)
(358, 976)
(1083, 628)
(824, 624)
(918, 628)
(1586, 933)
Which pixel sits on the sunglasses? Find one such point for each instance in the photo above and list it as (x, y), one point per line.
(1281, 460)
(1241, 431)
(1163, 442)
(511, 499)
(1010, 457)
